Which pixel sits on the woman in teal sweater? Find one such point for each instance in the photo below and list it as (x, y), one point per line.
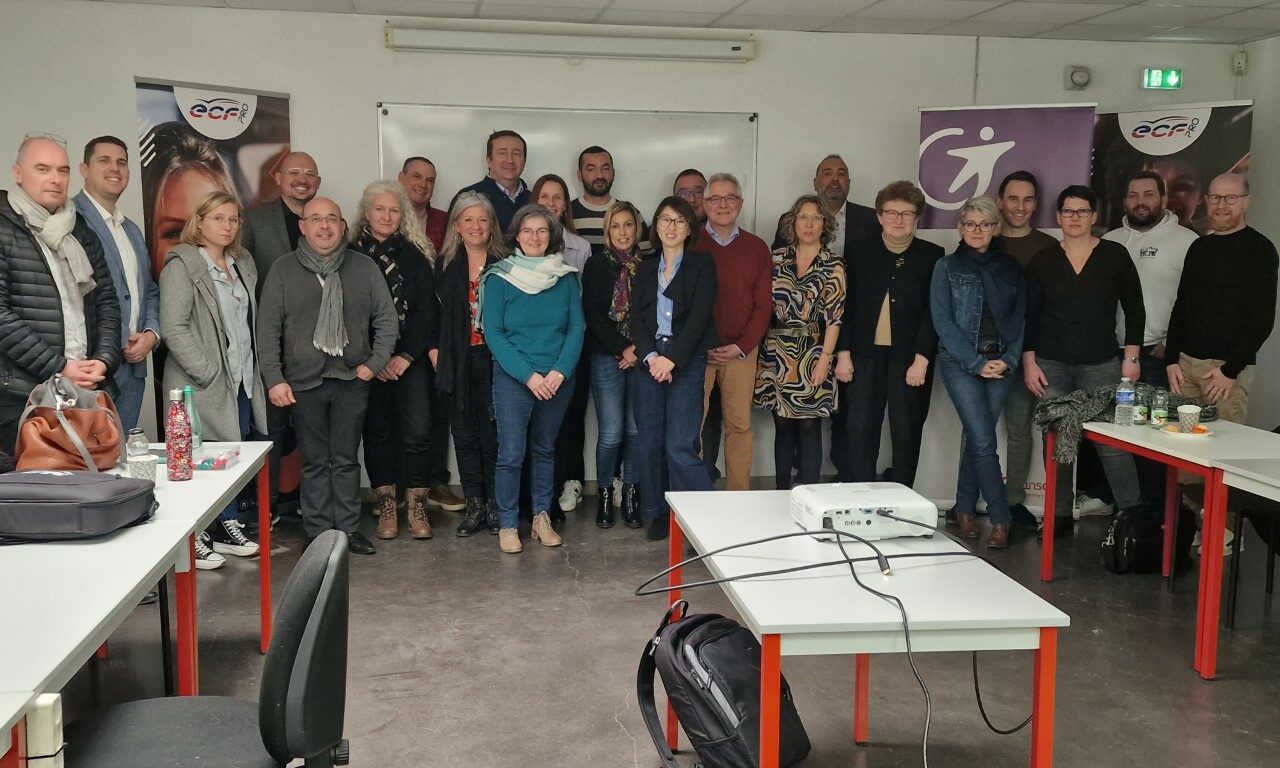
(531, 311)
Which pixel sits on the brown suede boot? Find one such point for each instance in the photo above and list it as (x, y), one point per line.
(384, 506)
(416, 510)
(543, 532)
(968, 525)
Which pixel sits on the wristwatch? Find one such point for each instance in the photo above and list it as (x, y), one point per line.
(1133, 359)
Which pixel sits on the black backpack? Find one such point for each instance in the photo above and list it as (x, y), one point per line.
(62, 505)
(1135, 541)
(710, 668)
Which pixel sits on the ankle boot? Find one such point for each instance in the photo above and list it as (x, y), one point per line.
(491, 517)
(968, 525)
(473, 520)
(384, 506)
(543, 532)
(631, 515)
(416, 512)
(604, 508)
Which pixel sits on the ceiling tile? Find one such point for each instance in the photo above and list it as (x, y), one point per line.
(994, 28)
(802, 7)
(433, 8)
(535, 12)
(716, 7)
(1214, 3)
(1153, 13)
(1260, 19)
(1100, 32)
(1107, 2)
(597, 4)
(1194, 35)
(1058, 13)
(757, 21)
(882, 26)
(296, 6)
(662, 19)
(189, 3)
(925, 9)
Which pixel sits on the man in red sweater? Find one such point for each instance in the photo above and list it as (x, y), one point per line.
(744, 301)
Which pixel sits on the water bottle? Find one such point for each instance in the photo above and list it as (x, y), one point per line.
(1126, 395)
(1160, 408)
(189, 400)
(177, 439)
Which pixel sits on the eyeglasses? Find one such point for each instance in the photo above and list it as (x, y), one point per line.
(672, 223)
(530, 232)
(807, 217)
(1228, 199)
(330, 219)
(220, 220)
(892, 215)
(691, 194)
(725, 200)
(1075, 213)
(974, 226)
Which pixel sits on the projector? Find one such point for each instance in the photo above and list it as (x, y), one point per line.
(857, 508)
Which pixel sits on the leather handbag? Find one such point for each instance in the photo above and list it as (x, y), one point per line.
(66, 427)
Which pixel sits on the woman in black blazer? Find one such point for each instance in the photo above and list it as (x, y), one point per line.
(671, 324)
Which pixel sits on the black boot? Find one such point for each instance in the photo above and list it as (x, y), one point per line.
(491, 517)
(631, 516)
(604, 508)
(473, 519)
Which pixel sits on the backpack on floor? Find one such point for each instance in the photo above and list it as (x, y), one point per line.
(710, 668)
(1135, 541)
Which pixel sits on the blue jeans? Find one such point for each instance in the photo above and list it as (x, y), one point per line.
(244, 408)
(669, 418)
(523, 418)
(614, 409)
(129, 401)
(978, 402)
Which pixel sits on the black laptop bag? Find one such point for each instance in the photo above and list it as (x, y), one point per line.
(61, 505)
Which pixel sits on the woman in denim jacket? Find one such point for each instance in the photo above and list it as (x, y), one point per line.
(978, 299)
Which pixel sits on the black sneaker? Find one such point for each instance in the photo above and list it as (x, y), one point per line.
(227, 538)
(1022, 517)
(357, 544)
(659, 527)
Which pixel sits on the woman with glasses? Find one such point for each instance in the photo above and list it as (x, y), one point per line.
(207, 309)
(887, 339)
(531, 313)
(978, 305)
(1073, 290)
(672, 298)
(794, 376)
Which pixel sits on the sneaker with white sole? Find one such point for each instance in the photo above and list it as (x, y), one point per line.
(571, 496)
(1228, 536)
(207, 559)
(229, 539)
(1087, 506)
(617, 493)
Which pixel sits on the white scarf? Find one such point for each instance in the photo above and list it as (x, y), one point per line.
(54, 230)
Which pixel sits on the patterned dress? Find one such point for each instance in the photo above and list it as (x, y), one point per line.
(803, 309)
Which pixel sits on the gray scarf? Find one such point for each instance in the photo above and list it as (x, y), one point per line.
(331, 329)
(54, 230)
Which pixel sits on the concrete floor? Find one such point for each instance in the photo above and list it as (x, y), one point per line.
(463, 656)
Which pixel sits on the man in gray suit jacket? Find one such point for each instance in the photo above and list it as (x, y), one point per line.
(271, 229)
(106, 175)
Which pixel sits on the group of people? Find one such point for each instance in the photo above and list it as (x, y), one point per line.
(497, 321)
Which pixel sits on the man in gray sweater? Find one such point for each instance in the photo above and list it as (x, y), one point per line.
(326, 327)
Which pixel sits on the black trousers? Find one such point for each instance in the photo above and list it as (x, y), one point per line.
(880, 380)
(438, 441)
(571, 441)
(794, 438)
(475, 434)
(328, 420)
(840, 435)
(397, 429)
(11, 407)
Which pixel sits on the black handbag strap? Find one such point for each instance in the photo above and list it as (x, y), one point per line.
(645, 688)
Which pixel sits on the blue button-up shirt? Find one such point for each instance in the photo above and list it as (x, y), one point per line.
(665, 305)
(733, 235)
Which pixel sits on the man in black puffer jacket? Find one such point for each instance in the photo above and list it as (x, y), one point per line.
(58, 309)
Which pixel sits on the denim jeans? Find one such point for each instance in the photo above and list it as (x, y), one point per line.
(978, 402)
(525, 420)
(129, 401)
(615, 416)
(669, 418)
(1118, 465)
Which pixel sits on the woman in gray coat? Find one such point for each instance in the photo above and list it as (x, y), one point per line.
(206, 317)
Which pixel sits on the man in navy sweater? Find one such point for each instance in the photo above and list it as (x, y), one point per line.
(505, 155)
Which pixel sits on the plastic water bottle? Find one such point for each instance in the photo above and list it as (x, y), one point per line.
(189, 400)
(177, 439)
(1126, 395)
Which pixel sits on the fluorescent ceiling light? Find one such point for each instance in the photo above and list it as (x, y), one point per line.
(568, 45)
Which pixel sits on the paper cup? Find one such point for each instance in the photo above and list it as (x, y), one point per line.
(1188, 417)
(142, 467)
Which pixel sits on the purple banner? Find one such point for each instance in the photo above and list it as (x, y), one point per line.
(966, 152)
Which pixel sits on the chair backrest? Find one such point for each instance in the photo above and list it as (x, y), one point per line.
(304, 680)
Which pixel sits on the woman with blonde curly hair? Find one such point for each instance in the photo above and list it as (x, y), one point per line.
(398, 422)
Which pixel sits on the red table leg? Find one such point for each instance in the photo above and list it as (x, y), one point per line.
(1046, 525)
(264, 551)
(16, 757)
(188, 656)
(861, 693)
(1212, 535)
(103, 652)
(1046, 666)
(1171, 502)
(770, 698)
(675, 553)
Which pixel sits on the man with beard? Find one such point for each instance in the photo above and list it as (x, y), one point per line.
(595, 173)
(272, 229)
(1158, 245)
(418, 178)
(1225, 307)
(691, 185)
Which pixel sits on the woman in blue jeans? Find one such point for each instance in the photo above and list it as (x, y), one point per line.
(606, 301)
(978, 302)
(671, 301)
(531, 312)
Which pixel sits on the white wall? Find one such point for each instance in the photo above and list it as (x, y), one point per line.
(69, 69)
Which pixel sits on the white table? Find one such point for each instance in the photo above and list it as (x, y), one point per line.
(956, 603)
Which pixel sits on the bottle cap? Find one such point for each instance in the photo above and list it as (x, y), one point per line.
(175, 394)
(188, 390)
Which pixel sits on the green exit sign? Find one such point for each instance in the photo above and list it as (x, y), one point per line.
(1162, 79)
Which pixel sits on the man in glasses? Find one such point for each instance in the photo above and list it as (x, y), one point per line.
(106, 175)
(58, 308)
(272, 229)
(691, 186)
(1225, 306)
(326, 326)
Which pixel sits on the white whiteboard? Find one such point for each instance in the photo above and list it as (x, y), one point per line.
(648, 148)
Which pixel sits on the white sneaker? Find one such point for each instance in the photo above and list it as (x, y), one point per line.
(232, 541)
(617, 493)
(207, 559)
(1228, 536)
(571, 496)
(1086, 506)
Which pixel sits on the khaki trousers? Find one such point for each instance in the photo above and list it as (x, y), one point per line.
(737, 382)
(1236, 406)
